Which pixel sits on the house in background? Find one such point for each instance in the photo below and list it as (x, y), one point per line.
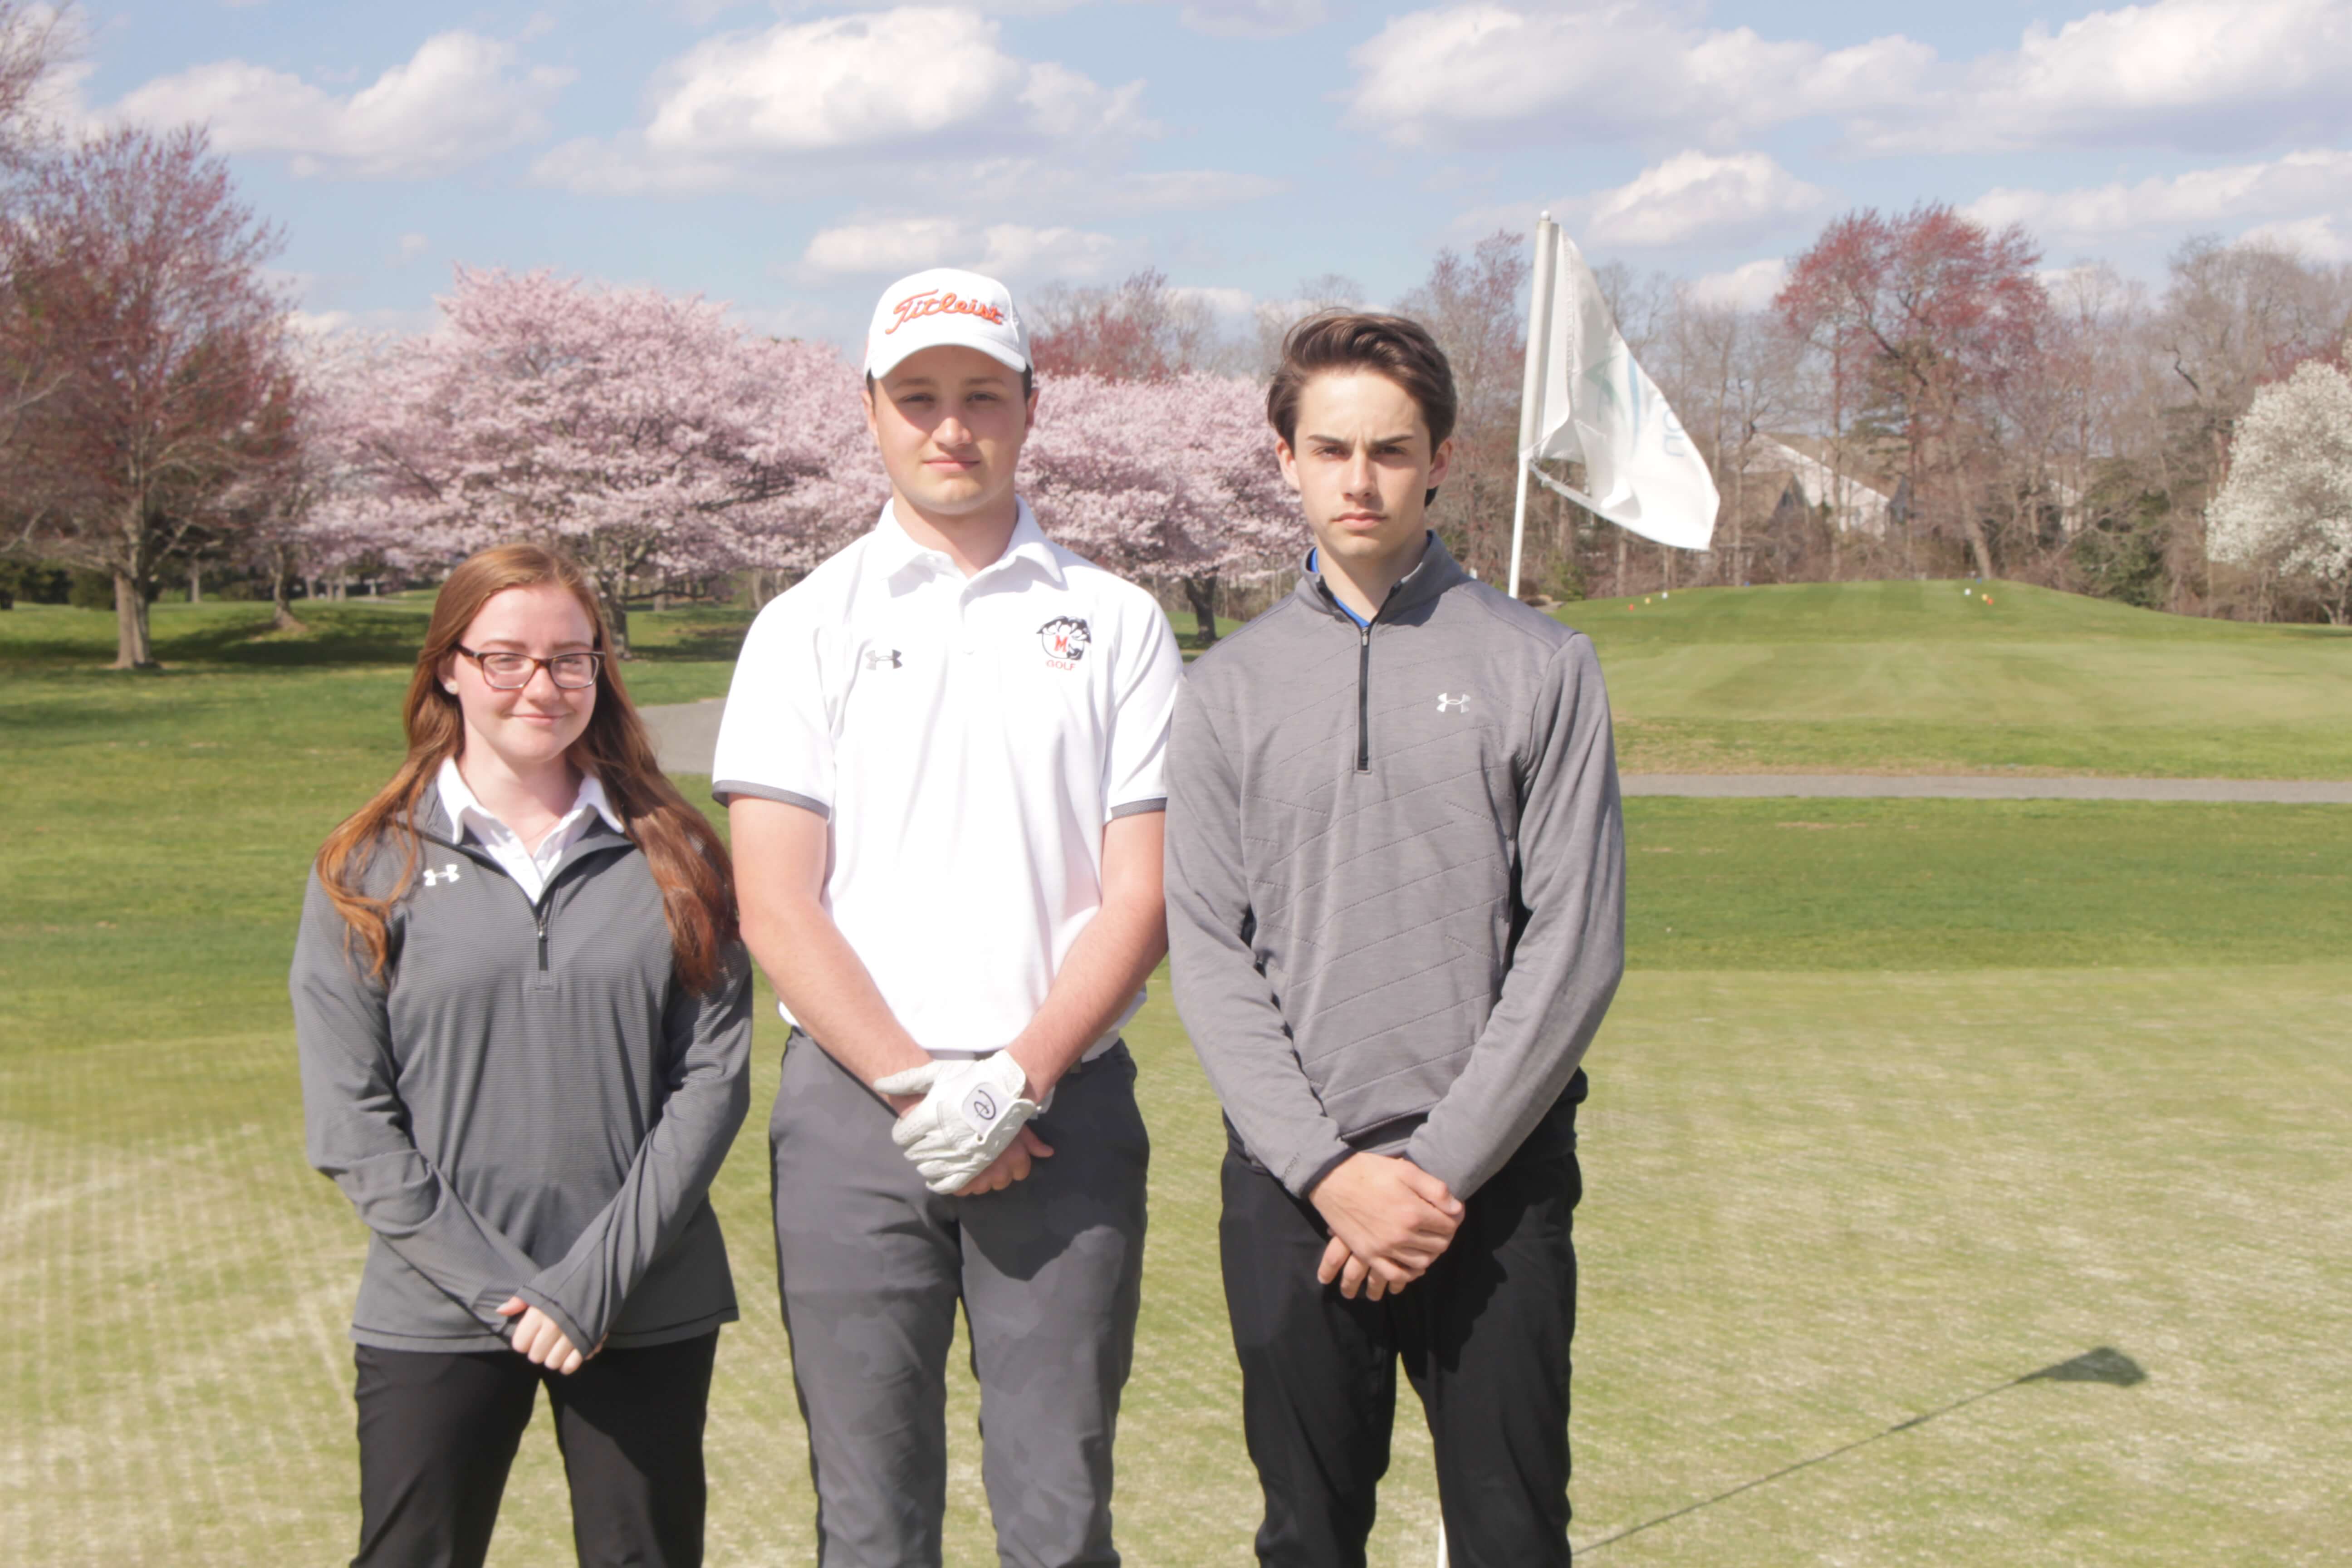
(1857, 500)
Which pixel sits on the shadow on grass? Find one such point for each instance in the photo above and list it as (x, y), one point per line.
(2104, 1365)
(220, 638)
(348, 636)
(693, 644)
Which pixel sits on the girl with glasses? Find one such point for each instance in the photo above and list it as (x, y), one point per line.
(523, 1016)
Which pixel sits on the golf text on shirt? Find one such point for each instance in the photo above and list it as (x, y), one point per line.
(967, 739)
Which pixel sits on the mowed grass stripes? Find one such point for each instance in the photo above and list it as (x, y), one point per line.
(1902, 1102)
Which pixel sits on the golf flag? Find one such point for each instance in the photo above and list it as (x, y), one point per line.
(1585, 400)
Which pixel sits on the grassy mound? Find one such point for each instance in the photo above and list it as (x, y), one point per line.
(1950, 677)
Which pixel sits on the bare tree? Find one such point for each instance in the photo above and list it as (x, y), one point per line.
(135, 275)
(1141, 330)
(35, 41)
(1733, 375)
(1476, 308)
(1946, 313)
(1274, 317)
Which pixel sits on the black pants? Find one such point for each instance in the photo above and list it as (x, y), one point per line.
(1483, 1337)
(438, 1433)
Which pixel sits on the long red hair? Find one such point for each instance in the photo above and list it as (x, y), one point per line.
(687, 860)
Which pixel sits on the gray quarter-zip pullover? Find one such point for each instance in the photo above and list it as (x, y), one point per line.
(1396, 874)
(526, 1102)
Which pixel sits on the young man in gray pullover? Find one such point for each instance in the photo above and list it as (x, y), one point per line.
(1396, 915)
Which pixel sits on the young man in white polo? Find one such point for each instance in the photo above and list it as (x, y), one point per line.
(941, 757)
(1396, 910)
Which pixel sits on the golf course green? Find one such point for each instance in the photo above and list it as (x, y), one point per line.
(2025, 1118)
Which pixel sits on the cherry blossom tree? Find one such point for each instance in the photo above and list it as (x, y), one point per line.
(2286, 506)
(1161, 478)
(643, 432)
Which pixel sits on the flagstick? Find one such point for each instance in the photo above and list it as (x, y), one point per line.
(1531, 390)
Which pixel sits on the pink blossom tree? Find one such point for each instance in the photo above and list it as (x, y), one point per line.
(646, 433)
(1167, 478)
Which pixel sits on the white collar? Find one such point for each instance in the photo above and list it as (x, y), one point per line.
(894, 549)
(458, 799)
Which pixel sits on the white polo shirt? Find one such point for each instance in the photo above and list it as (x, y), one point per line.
(967, 739)
(531, 868)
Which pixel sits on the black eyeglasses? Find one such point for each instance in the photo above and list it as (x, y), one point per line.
(512, 671)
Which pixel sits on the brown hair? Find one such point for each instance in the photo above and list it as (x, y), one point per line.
(687, 860)
(1393, 346)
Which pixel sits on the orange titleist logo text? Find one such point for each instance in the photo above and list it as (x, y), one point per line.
(931, 303)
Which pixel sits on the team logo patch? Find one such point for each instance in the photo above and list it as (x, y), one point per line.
(876, 658)
(1453, 704)
(1065, 640)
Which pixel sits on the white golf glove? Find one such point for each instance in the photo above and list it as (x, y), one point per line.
(971, 1113)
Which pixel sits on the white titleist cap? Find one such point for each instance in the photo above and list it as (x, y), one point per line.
(946, 305)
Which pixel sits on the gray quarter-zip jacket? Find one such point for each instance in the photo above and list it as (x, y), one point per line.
(526, 1102)
(1396, 875)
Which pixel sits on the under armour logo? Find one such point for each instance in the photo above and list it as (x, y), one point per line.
(447, 874)
(1453, 704)
(876, 658)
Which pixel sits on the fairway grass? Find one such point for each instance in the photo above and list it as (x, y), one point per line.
(1902, 1101)
(1872, 677)
(1817, 1207)
(1917, 678)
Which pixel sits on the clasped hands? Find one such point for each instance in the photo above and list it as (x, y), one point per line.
(538, 1340)
(1389, 1220)
(965, 1125)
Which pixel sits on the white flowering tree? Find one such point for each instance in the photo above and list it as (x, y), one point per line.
(2286, 506)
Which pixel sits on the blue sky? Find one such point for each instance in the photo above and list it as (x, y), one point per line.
(793, 157)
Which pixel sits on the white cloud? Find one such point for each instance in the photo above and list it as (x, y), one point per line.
(1252, 18)
(410, 248)
(1006, 250)
(847, 82)
(2312, 238)
(801, 99)
(2215, 74)
(984, 7)
(2285, 188)
(1595, 68)
(1694, 198)
(2193, 74)
(1748, 286)
(1188, 189)
(1231, 304)
(458, 99)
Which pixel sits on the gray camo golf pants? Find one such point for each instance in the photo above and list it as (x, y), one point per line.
(871, 1266)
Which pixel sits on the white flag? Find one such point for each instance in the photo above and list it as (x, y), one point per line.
(1640, 471)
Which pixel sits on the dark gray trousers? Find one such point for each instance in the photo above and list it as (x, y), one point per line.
(871, 1266)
